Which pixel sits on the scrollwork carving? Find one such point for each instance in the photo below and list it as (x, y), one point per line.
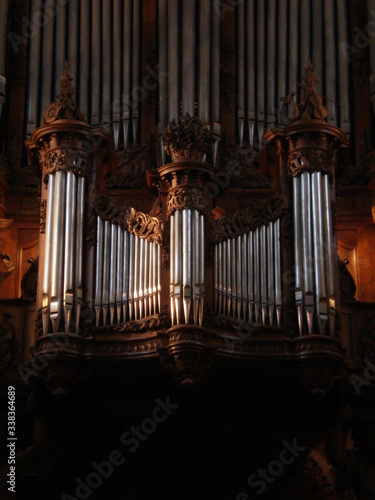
(310, 160)
(67, 159)
(43, 214)
(187, 197)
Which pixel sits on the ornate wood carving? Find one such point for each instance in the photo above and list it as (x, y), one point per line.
(187, 197)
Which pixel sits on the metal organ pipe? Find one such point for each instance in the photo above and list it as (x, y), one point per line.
(126, 66)
(47, 63)
(59, 54)
(271, 61)
(215, 66)
(33, 76)
(343, 66)
(204, 59)
(95, 62)
(299, 286)
(70, 234)
(73, 38)
(188, 56)
(307, 251)
(106, 55)
(47, 255)
(293, 46)
(241, 69)
(330, 60)
(136, 63)
(282, 34)
(250, 69)
(116, 82)
(173, 65)
(84, 57)
(260, 24)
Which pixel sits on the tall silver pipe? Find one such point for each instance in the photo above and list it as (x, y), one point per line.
(106, 269)
(171, 270)
(113, 273)
(196, 264)
(256, 268)
(202, 269)
(304, 35)
(136, 276)
(146, 277)
(250, 273)
(330, 254)
(84, 57)
(131, 275)
(229, 278)
(271, 61)
(79, 248)
(330, 60)
(240, 70)
(260, 24)
(95, 62)
(263, 271)
(188, 56)
(70, 240)
(107, 28)
(216, 276)
(99, 268)
(47, 63)
(116, 81)
(58, 225)
(244, 275)
(47, 254)
(141, 275)
(307, 255)
(215, 66)
(293, 45)
(136, 62)
(33, 73)
(159, 276)
(59, 54)
(319, 257)
(204, 60)
(250, 75)
(120, 272)
(224, 267)
(177, 264)
(186, 263)
(151, 279)
(163, 62)
(220, 277)
(270, 271)
(73, 38)
(282, 52)
(126, 272)
(155, 270)
(297, 225)
(173, 61)
(240, 261)
(233, 275)
(278, 293)
(126, 66)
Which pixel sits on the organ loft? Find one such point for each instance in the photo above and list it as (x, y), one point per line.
(187, 288)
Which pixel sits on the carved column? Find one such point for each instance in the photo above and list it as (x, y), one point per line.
(62, 146)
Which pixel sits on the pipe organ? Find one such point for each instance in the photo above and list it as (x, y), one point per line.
(128, 266)
(248, 275)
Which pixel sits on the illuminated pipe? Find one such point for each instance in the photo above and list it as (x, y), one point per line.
(136, 275)
(120, 260)
(241, 69)
(239, 261)
(47, 254)
(79, 248)
(307, 255)
(282, 51)
(188, 56)
(263, 271)
(155, 269)
(250, 75)
(244, 274)
(173, 62)
(196, 264)
(70, 236)
(131, 275)
(84, 59)
(59, 52)
(297, 223)
(229, 277)
(95, 62)
(278, 293)
(260, 24)
(204, 60)
(151, 270)
(126, 272)
(215, 66)
(319, 257)
(171, 270)
(201, 267)
(330, 60)
(159, 276)
(126, 68)
(141, 275)
(107, 27)
(177, 264)
(270, 271)
(163, 62)
(224, 272)
(145, 278)
(116, 92)
(220, 277)
(112, 273)
(293, 45)
(343, 66)
(33, 71)
(135, 69)
(271, 61)
(47, 63)
(106, 269)
(99, 268)
(186, 263)
(250, 273)
(317, 29)
(73, 38)
(58, 226)
(216, 277)
(256, 268)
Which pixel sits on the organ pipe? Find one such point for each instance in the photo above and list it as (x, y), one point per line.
(204, 59)
(188, 56)
(173, 61)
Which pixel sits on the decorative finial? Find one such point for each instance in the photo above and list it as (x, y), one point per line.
(66, 88)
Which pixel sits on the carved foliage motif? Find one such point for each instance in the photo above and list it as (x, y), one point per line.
(43, 214)
(248, 219)
(187, 197)
(310, 160)
(67, 159)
